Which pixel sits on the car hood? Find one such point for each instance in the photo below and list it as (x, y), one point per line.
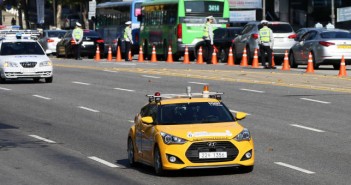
(24, 58)
(197, 132)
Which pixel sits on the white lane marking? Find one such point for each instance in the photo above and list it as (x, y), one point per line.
(81, 83)
(294, 167)
(318, 101)
(5, 89)
(129, 90)
(199, 83)
(131, 121)
(42, 97)
(88, 109)
(251, 90)
(103, 162)
(307, 128)
(147, 76)
(234, 111)
(111, 71)
(42, 139)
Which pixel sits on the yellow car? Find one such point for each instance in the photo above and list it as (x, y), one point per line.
(189, 131)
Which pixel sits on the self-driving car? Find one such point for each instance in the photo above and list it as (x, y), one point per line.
(189, 131)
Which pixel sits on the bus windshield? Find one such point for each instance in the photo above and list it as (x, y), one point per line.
(204, 7)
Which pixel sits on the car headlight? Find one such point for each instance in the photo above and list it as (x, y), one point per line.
(10, 64)
(170, 139)
(243, 135)
(45, 63)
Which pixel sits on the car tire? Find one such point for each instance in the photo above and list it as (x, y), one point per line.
(249, 55)
(223, 55)
(336, 66)
(237, 60)
(246, 169)
(315, 65)
(131, 152)
(158, 162)
(49, 80)
(2, 80)
(292, 60)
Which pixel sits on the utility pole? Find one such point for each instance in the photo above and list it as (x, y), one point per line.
(332, 13)
(54, 8)
(263, 9)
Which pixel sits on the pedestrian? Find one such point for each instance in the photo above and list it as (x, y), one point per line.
(13, 21)
(77, 35)
(128, 40)
(266, 41)
(208, 38)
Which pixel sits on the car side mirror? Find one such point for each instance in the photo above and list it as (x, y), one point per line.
(147, 120)
(240, 115)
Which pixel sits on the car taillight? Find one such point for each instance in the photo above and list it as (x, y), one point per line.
(49, 40)
(323, 43)
(100, 41)
(73, 42)
(179, 31)
(255, 36)
(293, 36)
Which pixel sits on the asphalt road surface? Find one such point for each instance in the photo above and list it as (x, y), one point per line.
(74, 131)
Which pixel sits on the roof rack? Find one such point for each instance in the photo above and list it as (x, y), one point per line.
(32, 34)
(205, 94)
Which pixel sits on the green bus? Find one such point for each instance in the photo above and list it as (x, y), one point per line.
(178, 23)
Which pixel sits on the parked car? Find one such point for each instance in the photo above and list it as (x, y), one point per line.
(91, 39)
(283, 34)
(326, 46)
(49, 39)
(222, 40)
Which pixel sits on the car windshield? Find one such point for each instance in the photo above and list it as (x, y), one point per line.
(335, 35)
(21, 48)
(279, 28)
(56, 33)
(189, 113)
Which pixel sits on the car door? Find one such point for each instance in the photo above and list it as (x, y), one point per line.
(138, 129)
(308, 44)
(242, 39)
(148, 132)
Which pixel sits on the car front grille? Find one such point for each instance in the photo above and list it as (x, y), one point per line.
(28, 64)
(220, 146)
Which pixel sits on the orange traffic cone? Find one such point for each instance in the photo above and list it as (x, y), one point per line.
(109, 54)
(170, 55)
(244, 59)
(186, 56)
(214, 56)
(230, 58)
(141, 55)
(273, 63)
(309, 68)
(255, 60)
(118, 57)
(286, 65)
(342, 70)
(153, 54)
(97, 55)
(200, 59)
(130, 58)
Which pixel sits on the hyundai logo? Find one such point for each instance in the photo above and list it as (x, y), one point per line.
(211, 144)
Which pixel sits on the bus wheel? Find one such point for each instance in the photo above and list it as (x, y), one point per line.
(146, 51)
(165, 50)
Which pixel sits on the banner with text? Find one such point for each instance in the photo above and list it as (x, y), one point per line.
(343, 14)
(245, 4)
(242, 16)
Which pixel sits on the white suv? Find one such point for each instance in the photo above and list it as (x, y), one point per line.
(24, 58)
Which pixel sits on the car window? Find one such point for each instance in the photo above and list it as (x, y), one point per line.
(311, 35)
(332, 35)
(279, 28)
(219, 33)
(247, 29)
(21, 48)
(189, 113)
(56, 33)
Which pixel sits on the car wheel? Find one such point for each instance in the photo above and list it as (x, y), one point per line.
(2, 80)
(246, 169)
(49, 80)
(158, 162)
(336, 66)
(237, 60)
(223, 55)
(131, 153)
(36, 80)
(249, 55)
(292, 60)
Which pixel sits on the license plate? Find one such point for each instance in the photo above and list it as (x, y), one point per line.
(212, 155)
(88, 43)
(30, 70)
(344, 46)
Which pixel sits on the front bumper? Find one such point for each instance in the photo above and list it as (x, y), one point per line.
(13, 73)
(187, 155)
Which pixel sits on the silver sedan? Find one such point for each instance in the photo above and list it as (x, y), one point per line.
(327, 47)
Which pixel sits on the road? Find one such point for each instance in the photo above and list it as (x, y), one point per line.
(74, 130)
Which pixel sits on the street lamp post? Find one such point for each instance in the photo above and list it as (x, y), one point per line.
(332, 13)
(263, 9)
